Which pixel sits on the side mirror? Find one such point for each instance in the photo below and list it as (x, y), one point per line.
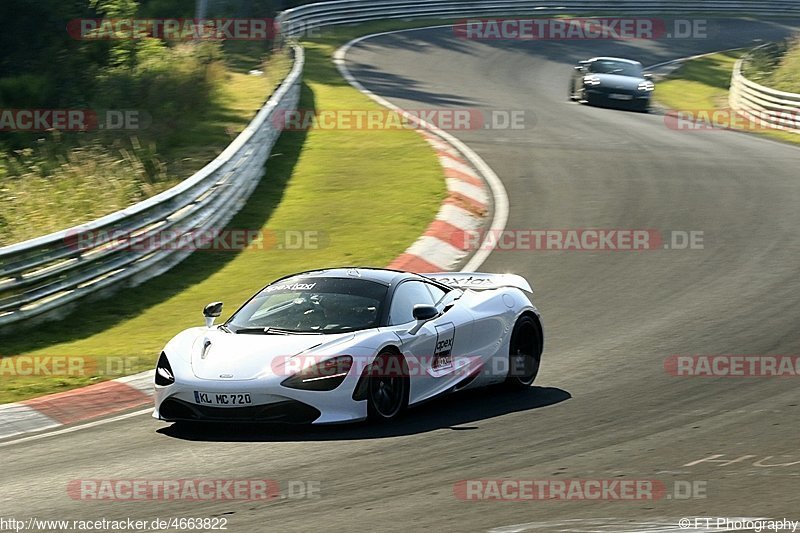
(578, 67)
(212, 311)
(423, 313)
(647, 76)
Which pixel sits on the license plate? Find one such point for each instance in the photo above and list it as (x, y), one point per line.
(222, 399)
(617, 96)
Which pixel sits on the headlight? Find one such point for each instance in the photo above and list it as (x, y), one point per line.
(591, 80)
(647, 86)
(164, 375)
(324, 376)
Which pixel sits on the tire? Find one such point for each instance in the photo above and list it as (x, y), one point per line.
(387, 387)
(524, 353)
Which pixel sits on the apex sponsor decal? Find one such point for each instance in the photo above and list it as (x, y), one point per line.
(733, 366)
(443, 354)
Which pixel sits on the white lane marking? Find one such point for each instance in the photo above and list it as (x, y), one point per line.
(19, 418)
(689, 58)
(143, 381)
(72, 429)
(500, 197)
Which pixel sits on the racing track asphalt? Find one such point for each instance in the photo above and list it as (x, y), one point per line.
(604, 406)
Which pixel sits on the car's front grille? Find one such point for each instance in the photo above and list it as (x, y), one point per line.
(288, 411)
(610, 90)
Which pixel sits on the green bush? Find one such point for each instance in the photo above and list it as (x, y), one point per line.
(776, 65)
(787, 76)
(171, 83)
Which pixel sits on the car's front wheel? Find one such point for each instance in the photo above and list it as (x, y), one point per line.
(387, 387)
(524, 354)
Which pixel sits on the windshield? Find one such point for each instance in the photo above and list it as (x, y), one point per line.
(621, 68)
(312, 305)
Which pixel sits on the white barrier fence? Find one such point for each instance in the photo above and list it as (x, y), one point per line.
(43, 277)
(761, 105)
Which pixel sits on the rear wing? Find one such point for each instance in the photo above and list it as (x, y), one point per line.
(480, 280)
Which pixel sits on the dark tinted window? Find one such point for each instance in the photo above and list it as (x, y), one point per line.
(602, 66)
(406, 296)
(314, 305)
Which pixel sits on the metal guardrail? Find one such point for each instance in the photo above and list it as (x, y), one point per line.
(761, 105)
(300, 19)
(43, 277)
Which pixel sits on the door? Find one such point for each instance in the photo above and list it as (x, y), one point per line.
(437, 352)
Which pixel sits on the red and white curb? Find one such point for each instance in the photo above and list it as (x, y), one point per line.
(78, 405)
(451, 236)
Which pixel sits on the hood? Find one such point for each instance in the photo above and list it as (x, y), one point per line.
(217, 355)
(615, 81)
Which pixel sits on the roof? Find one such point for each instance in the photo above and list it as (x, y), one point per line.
(620, 59)
(379, 275)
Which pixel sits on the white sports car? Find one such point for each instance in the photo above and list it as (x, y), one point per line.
(348, 344)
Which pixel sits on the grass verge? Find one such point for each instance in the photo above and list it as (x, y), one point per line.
(367, 194)
(703, 84)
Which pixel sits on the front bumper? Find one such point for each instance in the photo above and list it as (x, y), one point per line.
(618, 97)
(271, 403)
(288, 411)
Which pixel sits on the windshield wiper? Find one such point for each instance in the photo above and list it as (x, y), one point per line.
(276, 331)
(264, 330)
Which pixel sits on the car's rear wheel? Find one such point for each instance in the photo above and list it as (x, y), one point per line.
(387, 387)
(524, 353)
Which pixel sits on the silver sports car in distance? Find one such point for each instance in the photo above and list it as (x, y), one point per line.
(348, 344)
(612, 81)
